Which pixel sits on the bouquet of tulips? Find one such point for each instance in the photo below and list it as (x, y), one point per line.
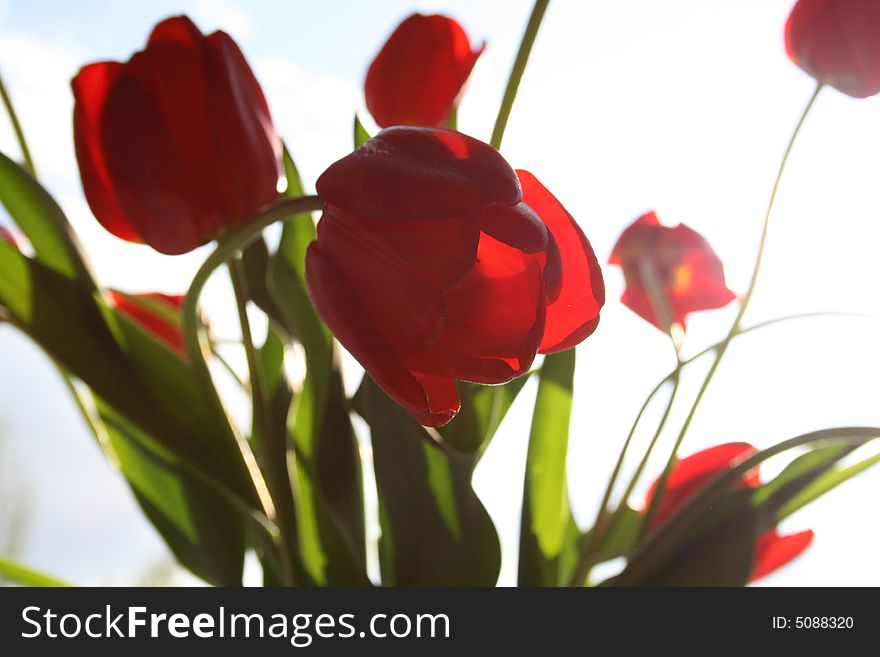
(449, 276)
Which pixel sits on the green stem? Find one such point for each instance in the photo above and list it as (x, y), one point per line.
(519, 67)
(658, 495)
(650, 277)
(272, 460)
(16, 126)
(215, 353)
(234, 242)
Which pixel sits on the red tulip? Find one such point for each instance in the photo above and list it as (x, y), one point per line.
(177, 144)
(688, 273)
(418, 75)
(838, 43)
(156, 312)
(436, 262)
(693, 473)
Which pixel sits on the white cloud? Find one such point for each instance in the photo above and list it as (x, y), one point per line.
(226, 15)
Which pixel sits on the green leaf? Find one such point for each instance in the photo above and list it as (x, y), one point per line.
(824, 483)
(435, 530)
(256, 267)
(546, 515)
(327, 478)
(204, 531)
(135, 376)
(619, 539)
(796, 476)
(18, 574)
(196, 431)
(361, 136)
(482, 410)
(37, 214)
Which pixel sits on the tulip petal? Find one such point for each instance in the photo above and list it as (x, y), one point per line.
(408, 310)
(517, 226)
(250, 150)
(90, 89)
(574, 312)
(773, 551)
(160, 326)
(691, 474)
(419, 73)
(429, 399)
(495, 319)
(414, 173)
(151, 181)
(179, 30)
(441, 251)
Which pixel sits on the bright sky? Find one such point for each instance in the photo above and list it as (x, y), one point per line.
(683, 106)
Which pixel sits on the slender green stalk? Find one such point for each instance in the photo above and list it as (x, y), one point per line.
(661, 484)
(215, 353)
(16, 126)
(650, 278)
(271, 457)
(519, 67)
(259, 391)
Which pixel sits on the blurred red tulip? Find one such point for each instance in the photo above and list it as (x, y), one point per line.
(689, 274)
(157, 321)
(177, 144)
(418, 75)
(436, 262)
(838, 43)
(690, 475)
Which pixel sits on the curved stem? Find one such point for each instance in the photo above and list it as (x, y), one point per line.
(270, 459)
(197, 344)
(16, 126)
(722, 348)
(516, 73)
(226, 249)
(215, 353)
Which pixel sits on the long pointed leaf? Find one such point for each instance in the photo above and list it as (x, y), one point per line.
(546, 515)
(435, 530)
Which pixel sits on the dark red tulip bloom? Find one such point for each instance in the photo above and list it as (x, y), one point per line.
(418, 75)
(436, 262)
(838, 43)
(177, 144)
(158, 313)
(689, 274)
(693, 473)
